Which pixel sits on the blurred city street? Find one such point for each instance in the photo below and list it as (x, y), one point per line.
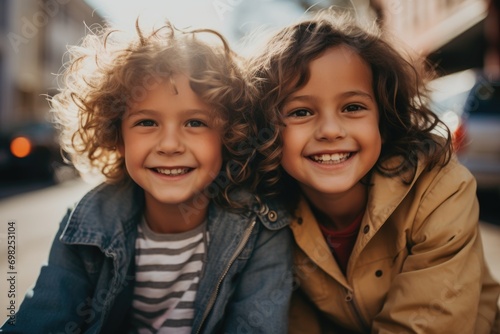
(37, 215)
(37, 187)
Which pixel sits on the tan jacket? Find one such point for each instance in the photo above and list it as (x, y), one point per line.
(417, 266)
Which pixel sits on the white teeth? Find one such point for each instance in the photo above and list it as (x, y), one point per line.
(331, 158)
(173, 171)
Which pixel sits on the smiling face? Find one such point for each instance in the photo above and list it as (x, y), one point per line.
(331, 139)
(171, 146)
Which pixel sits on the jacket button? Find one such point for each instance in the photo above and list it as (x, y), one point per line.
(379, 273)
(366, 229)
(272, 216)
(264, 209)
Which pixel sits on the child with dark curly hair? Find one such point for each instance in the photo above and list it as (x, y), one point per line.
(171, 241)
(385, 218)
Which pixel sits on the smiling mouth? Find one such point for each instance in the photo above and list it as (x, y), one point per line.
(172, 171)
(330, 159)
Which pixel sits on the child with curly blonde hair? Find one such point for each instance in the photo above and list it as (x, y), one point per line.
(171, 241)
(386, 219)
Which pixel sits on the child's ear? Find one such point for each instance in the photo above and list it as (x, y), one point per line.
(120, 145)
(121, 148)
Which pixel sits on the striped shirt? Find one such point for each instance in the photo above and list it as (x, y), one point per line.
(168, 269)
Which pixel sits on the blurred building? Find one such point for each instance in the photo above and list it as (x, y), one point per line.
(451, 33)
(33, 39)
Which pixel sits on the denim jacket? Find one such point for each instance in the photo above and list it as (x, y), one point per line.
(87, 286)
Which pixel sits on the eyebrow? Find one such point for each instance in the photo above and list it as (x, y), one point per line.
(151, 112)
(352, 93)
(139, 113)
(358, 93)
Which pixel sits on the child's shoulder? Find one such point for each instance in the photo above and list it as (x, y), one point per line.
(105, 205)
(453, 173)
(441, 181)
(108, 194)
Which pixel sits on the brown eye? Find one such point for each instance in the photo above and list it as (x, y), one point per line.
(299, 113)
(146, 123)
(353, 108)
(195, 123)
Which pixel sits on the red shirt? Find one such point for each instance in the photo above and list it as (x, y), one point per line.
(342, 242)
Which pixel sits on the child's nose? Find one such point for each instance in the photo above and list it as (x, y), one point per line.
(329, 128)
(170, 142)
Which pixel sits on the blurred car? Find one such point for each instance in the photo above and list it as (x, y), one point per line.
(469, 104)
(29, 152)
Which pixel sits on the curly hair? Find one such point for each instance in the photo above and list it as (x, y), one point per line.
(111, 69)
(409, 129)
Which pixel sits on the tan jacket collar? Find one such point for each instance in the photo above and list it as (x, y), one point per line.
(386, 193)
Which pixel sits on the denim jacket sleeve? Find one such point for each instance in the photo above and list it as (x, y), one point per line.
(54, 305)
(261, 300)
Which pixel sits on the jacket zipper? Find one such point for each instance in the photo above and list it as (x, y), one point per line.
(349, 298)
(240, 247)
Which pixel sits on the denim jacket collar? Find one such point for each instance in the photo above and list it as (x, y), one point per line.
(105, 216)
(94, 219)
